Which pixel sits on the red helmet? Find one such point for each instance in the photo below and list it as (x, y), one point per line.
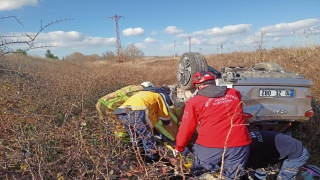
(201, 77)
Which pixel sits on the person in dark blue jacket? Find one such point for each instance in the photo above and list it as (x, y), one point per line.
(269, 147)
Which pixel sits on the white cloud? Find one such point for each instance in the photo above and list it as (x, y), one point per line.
(7, 5)
(167, 47)
(276, 31)
(133, 31)
(206, 42)
(199, 41)
(71, 39)
(243, 42)
(219, 40)
(297, 27)
(65, 41)
(154, 32)
(141, 46)
(150, 40)
(225, 31)
(276, 39)
(172, 30)
(182, 35)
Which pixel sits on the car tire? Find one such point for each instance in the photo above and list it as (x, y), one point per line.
(189, 64)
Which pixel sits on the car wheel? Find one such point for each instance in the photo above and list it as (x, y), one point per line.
(190, 63)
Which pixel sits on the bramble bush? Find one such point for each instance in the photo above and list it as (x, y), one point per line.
(49, 127)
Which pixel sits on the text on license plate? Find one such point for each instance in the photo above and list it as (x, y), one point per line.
(276, 92)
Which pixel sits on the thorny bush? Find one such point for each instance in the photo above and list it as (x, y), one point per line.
(49, 127)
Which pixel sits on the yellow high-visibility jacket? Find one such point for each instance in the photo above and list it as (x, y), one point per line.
(108, 103)
(115, 99)
(152, 103)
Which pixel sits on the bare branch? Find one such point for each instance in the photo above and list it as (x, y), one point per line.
(47, 25)
(4, 43)
(15, 17)
(260, 42)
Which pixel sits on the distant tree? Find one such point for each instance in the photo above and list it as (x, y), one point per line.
(131, 52)
(21, 52)
(50, 55)
(259, 39)
(92, 57)
(76, 56)
(109, 56)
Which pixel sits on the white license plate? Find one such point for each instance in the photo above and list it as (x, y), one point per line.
(276, 92)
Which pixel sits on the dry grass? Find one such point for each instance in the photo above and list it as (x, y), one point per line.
(48, 123)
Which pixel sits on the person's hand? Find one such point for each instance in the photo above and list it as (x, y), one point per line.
(176, 153)
(185, 152)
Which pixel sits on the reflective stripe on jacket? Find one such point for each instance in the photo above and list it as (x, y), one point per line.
(163, 131)
(155, 109)
(113, 100)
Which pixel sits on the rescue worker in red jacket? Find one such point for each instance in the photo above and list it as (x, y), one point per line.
(218, 113)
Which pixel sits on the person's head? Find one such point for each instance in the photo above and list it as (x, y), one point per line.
(167, 90)
(202, 79)
(147, 84)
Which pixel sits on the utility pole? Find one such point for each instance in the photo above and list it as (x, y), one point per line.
(174, 48)
(119, 48)
(219, 49)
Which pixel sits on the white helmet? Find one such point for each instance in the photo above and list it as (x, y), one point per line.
(147, 84)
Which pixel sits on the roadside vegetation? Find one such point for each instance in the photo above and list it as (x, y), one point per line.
(49, 127)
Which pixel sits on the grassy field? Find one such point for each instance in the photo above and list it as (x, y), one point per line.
(48, 123)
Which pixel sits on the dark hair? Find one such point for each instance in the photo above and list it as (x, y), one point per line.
(167, 89)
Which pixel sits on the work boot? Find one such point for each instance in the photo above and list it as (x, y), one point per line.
(208, 176)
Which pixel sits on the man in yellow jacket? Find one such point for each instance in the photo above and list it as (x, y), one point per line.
(110, 102)
(139, 115)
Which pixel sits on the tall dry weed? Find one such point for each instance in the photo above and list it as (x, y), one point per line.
(48, 123)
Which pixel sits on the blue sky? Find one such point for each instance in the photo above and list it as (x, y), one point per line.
(154, 25)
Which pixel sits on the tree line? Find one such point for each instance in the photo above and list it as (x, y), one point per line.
(129, 53)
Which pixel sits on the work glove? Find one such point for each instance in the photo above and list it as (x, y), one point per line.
(184, 153)
(176, 153)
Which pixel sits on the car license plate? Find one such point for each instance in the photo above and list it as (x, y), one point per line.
(276, 92)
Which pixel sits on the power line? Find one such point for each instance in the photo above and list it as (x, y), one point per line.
(119, 48)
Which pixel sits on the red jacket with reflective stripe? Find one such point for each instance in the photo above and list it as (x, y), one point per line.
(214, 117)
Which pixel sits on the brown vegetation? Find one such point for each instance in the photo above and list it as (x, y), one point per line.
(48, 123)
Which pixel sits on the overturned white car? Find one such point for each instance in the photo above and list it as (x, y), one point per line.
(274, 98)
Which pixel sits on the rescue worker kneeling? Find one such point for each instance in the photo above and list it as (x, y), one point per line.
(110, 102)
(140, 114)
(222, 132)
(270, 148)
